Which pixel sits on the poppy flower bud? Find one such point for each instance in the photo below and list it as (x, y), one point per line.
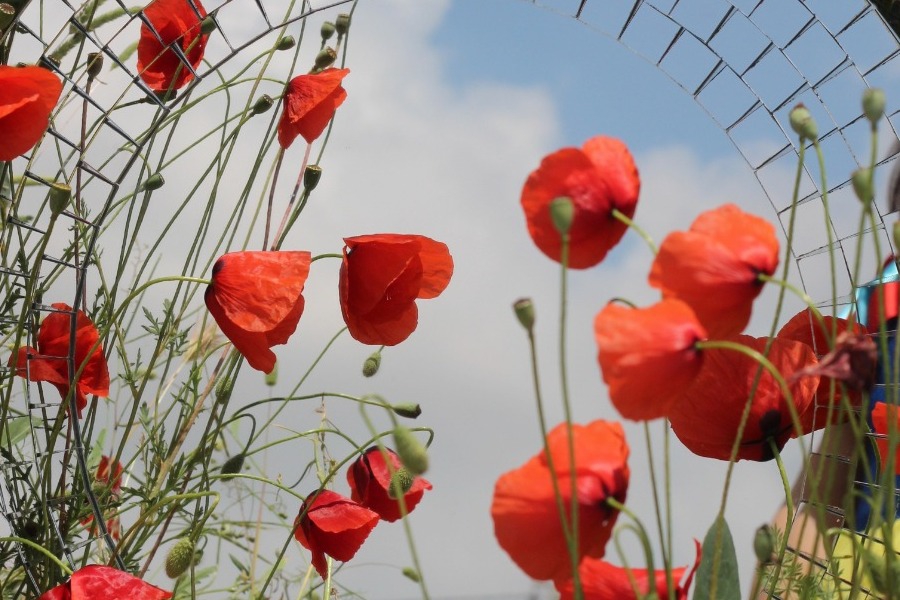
(311, 177)
(327, 30)
(286, 43)
(562, 211)
(401, 481)
(208, 25)
(262, 104)
(94, 64)
(325, 58)
(873, 104)
(524, 309)
(764, 544)
(803, 123)
(271, 377)
(154, 182)
(233, 465)
(411, 574)
(223, 389)
(862, 184)
(342, 24)
(370, 367)
(180, 557)
(410, 411)
(412, 453)
(60, 195)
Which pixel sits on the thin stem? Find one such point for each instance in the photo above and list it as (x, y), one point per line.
(620, 216)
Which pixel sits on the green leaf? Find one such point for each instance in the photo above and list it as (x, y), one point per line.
(17, 429)
(727, 585)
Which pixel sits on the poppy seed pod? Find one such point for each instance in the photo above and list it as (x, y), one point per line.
(562, 211)
(311, 177)
(873, 103)
(179, 558)
(327, 31)
(524, 309)
(262, 104)
(862, 184)
(410, 411)
(764, 544)
(208, 25)
(271, 378)
(803, 123)
(370, 367)
(411, 574)
(60, 195)
(286, 43)
(154, 182)
(325, 58)
(896, 233)
(342, 24)
(410, 450)
(233, 465)
(94, 64)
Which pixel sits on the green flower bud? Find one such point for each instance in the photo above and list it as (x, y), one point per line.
(896, 232)
(862, 184)
(233, 465)
(524, 309)
(342, 24)
(562, 211)
(411, 574)
(271, 378)
(311, 177)
(208, 25)
(412, 453)
(262, 104)
(60, 195)
(180, 558)
(401, 481)
(94, 64)
(154, 182)
(873, 104)
(286, 43)
(224, 387)
(370, 367)
(803, 123)
(764, 544)
(325, 58)
(327, 30)
(409, 411)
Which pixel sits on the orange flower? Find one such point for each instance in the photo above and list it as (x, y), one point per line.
(526, 520)
(177, 22)
(647, 355)
(603, 581)
(257, 300)
(882, 415)
(49, 363)
(598, 177)
(706, 416)
(27, 96)
(714, 267)
(309, 104)
(382, 276)
(99, 582)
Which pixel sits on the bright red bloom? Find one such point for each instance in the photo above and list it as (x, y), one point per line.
(603, 581)
(309, 104)
(49, 363)
(370, 482)
(714, 267)
(178, 24)
(706, 416)
(882, 415)
(526, 520)
(27, 96)
(382, 276)
(102, 477)
(331, 524)
(99, 582)
(598, 177)
(647, 355)
(257, 300)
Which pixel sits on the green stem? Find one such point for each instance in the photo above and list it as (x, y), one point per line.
(620, 216)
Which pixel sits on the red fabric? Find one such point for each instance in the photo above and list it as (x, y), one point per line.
(370, 482)
(178, 24)
(27, 97)
(309, 104)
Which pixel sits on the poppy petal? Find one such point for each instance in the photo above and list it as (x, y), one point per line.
(27, 97)
(882, 415)
(310, 102)
(370, 482)
(176, 22)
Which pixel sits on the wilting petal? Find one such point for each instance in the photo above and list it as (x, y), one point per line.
(714, 267)
(370, 482)
(648, 355)
(706, 416)
(27, 97)
(597, 178)
(99, 582)
(178, 24)
(526, 520)
(310, 102)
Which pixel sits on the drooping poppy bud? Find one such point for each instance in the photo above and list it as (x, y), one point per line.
(180, 558)
(60, 196)
(410, 450)
(286, 43)
(873, 104)
(410, 411)
(370, 366)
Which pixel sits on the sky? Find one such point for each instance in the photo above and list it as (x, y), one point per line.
(450, 105)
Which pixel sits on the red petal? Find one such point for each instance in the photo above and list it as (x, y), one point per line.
(99, 582)
(370, 480)
(334, 525)
(882, 415)
(27, 97)
(309, 104)
(176, 22)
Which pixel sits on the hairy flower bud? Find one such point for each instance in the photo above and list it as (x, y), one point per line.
(233, 465)
(764, 544)
(412, 453)
(803, 123)
(180, 557)
(370, 367)
(410, 411)
(873, 104)
(401, 481)
(223, 389)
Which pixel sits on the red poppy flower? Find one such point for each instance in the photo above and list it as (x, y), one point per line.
(27, 96)
(99, 582)
(331, 524)
(114, 488)
(647, 355)
(714, 267)
(526, 520)
(382, 276)
(49, 363)
(370, 482)
(257, 300)
(603, 581)
(882, 415)
(706, 416)
(309, 104)
(598, 177)
(177, 22)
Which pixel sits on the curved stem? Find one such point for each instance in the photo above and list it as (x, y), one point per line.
(620, 216)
